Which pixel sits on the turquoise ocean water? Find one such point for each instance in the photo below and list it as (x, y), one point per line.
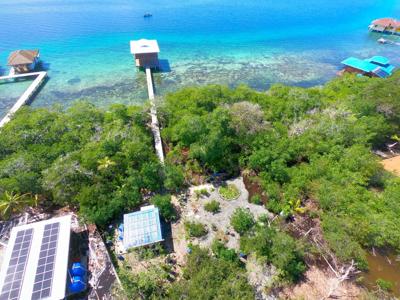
(85, 43)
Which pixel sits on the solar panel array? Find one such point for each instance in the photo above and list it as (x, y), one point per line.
(142, 228)
(47, 258)
(16, 268)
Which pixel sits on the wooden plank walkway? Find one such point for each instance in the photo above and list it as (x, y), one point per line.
(26, 96)
(155, 128)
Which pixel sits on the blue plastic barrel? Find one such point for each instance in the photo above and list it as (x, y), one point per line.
(77, 284)
(77, 269)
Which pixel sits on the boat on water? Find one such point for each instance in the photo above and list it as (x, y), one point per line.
(385, 41)
(147, 15)
(386, 26)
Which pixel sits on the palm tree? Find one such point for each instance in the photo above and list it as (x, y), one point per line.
(105, 163)
(11, 203)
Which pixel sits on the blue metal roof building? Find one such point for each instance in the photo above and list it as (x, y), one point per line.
(142, 228)
(375, 66)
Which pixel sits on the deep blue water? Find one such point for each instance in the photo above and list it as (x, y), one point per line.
(85, 44)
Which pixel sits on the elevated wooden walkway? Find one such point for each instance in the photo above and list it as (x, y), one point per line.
(155, 128)
(26, 96)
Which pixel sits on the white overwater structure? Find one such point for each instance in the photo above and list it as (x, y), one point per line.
(146, 53)
(27, 96)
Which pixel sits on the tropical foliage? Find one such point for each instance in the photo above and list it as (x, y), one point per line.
(213, 206)
(99, 161)
(195, 229)
(304, 145)
(242, 220)
(206, 277)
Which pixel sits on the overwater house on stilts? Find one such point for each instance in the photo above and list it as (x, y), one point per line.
(386, 25)
(145, 53)
(23, 61)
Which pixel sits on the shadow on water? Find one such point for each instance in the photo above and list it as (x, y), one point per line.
(14, 80)
(2, 71)
(43, 66)
(164, 66)
(45, 80)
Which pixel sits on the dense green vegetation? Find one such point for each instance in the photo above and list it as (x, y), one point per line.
(304, 145)
(150, 284)
(275, 247)
(206, 277)
(99, 161)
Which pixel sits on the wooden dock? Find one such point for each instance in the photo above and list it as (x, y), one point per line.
(155, 128)
(26, 96)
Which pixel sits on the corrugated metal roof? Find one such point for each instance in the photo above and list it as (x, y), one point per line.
(379, 60)
(22, 57)
(359, 64)
(142, 227)
(378, 65)
(144, 46)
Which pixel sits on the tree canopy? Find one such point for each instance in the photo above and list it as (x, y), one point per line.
(304, 144)
(99, 161)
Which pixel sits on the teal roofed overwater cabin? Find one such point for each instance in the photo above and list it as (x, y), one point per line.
(376, 66)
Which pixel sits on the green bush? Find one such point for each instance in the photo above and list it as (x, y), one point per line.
(384, 285)
(164, 204)
(206, 277)
(150, 284)
(256, 199)
(195, 229)
(213, 206)
(278, 248)
(229, 192)
(242, 220)
(201, 192)
(149, 252)
(223, 252)
(174, 177)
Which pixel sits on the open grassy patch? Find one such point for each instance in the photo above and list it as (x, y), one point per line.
(195, 229)
(229, 192)
(213, 206)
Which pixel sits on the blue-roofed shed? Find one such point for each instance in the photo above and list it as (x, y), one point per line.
(142, 228)
(379, 60)
(376, 66)
(359, 64)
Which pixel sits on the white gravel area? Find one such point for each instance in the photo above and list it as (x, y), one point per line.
(194, 211)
